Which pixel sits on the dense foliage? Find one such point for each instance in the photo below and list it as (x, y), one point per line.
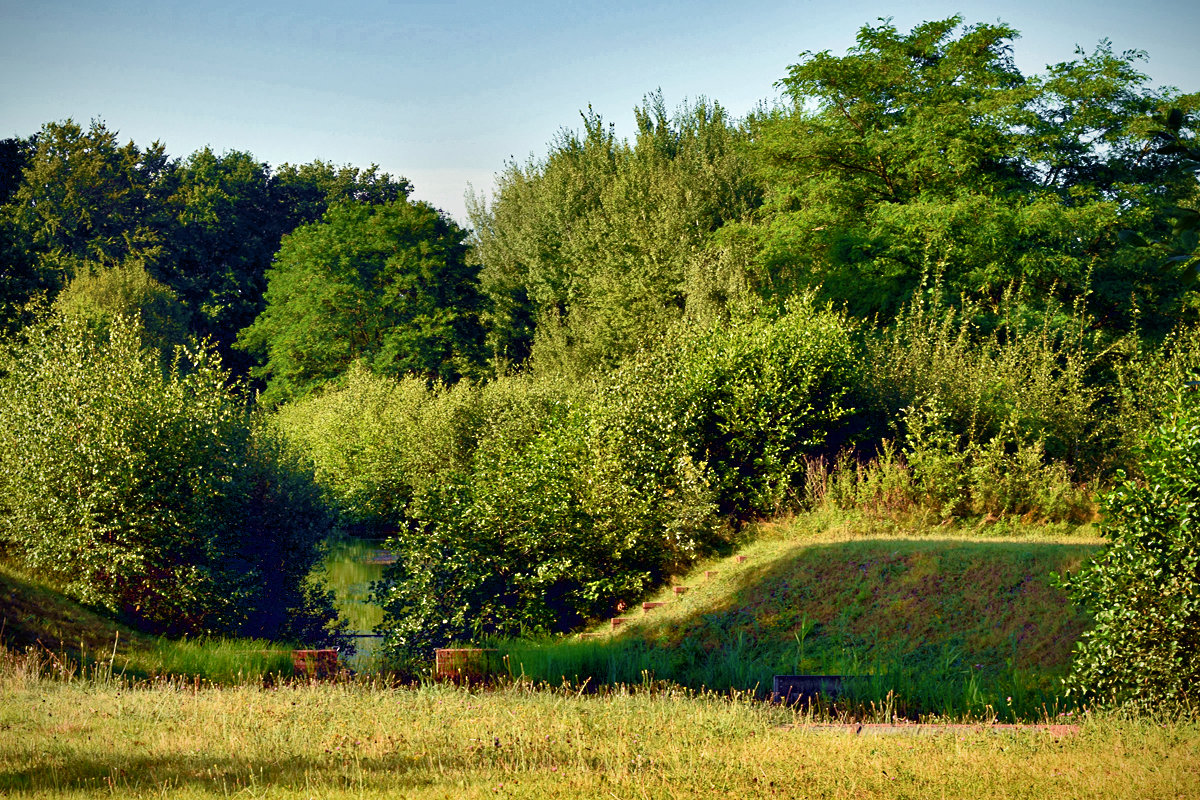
(149, 492)
(930, 154)
(595, 250)
(924, 284)
(77, 201)
(532, 503)
(388, 285)
(1144, 591)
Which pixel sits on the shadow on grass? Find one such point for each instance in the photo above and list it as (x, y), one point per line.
(937, 625)
(33, 616)
(220, 775)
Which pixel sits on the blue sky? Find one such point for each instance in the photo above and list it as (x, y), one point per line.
(445, 92)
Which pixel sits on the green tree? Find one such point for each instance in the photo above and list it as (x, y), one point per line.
(1179, 250)
(593, 251)
(102, 294)
(300, 194)
(387, 284)
(86, 198)
(930, 154)
(225, 231)
(15, 155)
(230, 212)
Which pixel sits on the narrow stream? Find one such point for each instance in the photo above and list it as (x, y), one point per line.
(351, 565)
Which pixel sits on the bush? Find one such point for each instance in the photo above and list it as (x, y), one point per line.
(100, 293)
(148, 492)
(1144, 590)
(1000, 373)
(763, 396)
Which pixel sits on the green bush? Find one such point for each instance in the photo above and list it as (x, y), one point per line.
(148, 492)
(763, 396)
(100, 293)
(998, 372)
(1144, 590)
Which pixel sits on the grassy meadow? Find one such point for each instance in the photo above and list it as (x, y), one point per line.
(105, 738)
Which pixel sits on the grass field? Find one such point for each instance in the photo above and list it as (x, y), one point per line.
(808, 597)
(105, 738)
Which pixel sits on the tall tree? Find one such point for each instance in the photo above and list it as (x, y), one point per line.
(87, 198)
(387, 284)
(301, 193)
(929, 155)
(232, 211)
(593, 251)
(20, 278)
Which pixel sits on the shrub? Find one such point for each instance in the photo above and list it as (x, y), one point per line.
(1144, 590)
(148, 492)
(763, 396)
(100, 293)
(999, 373)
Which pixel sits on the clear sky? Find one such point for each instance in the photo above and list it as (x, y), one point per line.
(445, 92)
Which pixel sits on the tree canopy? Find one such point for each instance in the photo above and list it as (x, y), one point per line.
(596, 249)
(928, 155)
(389, 285)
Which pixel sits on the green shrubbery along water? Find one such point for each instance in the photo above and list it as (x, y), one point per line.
(152, 493)
(537, 501)
(534, 502)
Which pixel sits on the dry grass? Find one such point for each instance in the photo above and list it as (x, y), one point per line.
(91, 739)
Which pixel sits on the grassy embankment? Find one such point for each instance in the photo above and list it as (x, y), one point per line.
(75, 640)
(944, 621)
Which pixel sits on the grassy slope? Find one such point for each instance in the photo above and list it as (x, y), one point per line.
(940, 612)
(70, 635)
(34, 615)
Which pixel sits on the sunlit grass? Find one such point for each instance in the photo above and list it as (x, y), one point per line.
(80, 640)
(106, 738)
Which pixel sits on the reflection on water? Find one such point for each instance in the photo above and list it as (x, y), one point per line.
(351, 565)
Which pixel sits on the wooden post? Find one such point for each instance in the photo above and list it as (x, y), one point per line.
(315, 663)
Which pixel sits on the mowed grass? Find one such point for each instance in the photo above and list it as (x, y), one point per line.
(107, 738)
(943, 622)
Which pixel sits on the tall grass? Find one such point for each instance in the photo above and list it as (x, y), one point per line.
(92, 739)
(224, 661)
(938, 684)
